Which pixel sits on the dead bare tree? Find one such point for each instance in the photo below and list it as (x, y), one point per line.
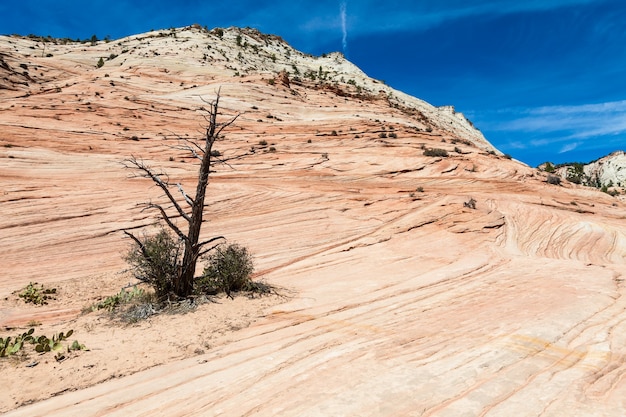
(190, 209)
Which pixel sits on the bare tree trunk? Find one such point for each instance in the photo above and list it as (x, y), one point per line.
(184, 281)
(184, 284)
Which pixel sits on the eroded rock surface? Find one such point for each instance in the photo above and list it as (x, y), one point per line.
(402, 300)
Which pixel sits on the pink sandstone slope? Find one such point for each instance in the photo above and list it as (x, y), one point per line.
(395, 297)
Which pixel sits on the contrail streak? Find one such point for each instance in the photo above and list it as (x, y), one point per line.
(344, 29)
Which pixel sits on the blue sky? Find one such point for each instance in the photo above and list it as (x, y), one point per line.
(542, 79)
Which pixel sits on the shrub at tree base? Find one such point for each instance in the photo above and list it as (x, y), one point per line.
(156, 260)
(228, 269)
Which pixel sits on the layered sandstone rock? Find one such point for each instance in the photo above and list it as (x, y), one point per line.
(399, 298)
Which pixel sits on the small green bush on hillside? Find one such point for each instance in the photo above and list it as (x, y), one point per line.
(436, 152)
(37, 294)
(554, 180)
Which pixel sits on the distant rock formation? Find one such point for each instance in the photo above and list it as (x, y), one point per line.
(608, 172)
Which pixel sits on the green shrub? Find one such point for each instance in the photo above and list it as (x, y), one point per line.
(37, 294)
(470, 204)
(612, 192)
(436, 152)
(576, 173)
(156, 260)
(123, 297)
(554, 180)
(228, 269)
(41, 344)
(10, 346)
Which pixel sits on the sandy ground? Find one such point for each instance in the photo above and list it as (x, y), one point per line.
(117, 348)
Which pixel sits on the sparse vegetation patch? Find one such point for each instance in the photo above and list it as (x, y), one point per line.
(228, 270)
(553, 179)
(436, 152)
(123, 297)
(471, 204)
(155, 260)
(37, 294)
(10, 346)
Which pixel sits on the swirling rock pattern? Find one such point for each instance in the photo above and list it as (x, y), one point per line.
(402, 299)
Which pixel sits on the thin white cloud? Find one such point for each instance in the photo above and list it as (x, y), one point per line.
(425, 14)
(560, 129)
(574, 122)
(568, 147)
(540, 142)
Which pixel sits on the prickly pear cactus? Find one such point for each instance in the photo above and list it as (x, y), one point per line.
(10, 346)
